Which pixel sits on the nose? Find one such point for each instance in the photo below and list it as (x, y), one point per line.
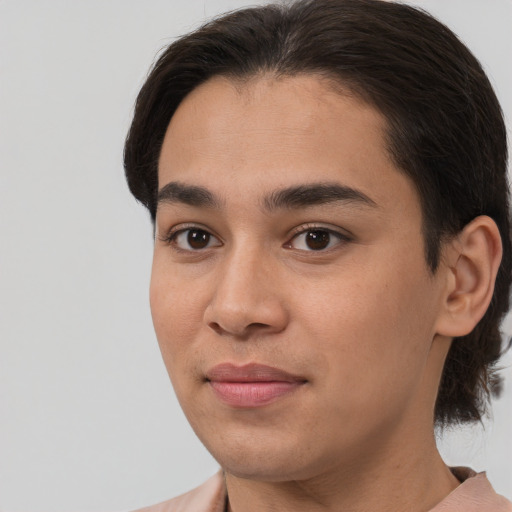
(247, 300)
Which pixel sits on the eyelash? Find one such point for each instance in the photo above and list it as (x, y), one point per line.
(172, 235)
(342, 238)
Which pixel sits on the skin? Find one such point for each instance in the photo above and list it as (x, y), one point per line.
(361, 321)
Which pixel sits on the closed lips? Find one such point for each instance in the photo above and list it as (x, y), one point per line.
(251, 385)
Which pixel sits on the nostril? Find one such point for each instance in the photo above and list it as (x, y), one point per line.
(257, 325)
(241, 331)
(216, 327)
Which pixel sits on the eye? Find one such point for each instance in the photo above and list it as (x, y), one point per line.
(317, 239)
(193, 239)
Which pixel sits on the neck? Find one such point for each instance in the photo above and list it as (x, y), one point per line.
(392, 481)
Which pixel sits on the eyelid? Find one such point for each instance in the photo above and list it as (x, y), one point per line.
(311, 226)
(170, 235)
(342, 235)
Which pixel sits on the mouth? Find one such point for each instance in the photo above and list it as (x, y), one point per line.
(251, 385)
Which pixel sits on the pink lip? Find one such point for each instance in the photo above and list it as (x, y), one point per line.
(251, 385)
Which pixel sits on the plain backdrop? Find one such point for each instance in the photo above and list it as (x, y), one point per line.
(88, 419)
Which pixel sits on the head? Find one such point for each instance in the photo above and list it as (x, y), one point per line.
(433, 126)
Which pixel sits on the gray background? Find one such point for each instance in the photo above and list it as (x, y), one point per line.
(88, 420)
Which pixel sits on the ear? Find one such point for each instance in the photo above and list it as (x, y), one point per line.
(472, 261)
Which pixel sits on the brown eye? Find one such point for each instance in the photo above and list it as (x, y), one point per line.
(318, 239)
(193, 239)
(198, 239)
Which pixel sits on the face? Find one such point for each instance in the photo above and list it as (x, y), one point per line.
(290, 295)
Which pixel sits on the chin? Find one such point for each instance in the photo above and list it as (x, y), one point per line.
(263, 470)
(262, 458)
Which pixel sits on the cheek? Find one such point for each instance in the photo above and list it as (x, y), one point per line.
(177, 312)
(372, 328)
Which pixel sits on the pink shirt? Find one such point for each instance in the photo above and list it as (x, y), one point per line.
(474, 494)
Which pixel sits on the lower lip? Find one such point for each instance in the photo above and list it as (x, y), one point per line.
(252, 394)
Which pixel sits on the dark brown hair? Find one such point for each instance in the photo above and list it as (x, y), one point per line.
(445, 129)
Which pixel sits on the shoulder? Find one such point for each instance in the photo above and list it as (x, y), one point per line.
(208, 497)
(474, 494)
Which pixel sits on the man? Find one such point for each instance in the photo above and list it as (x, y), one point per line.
(332, 252)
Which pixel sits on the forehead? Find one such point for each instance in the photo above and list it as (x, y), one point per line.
(269, 132)
(296, 110)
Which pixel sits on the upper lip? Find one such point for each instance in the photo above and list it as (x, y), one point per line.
(228, 372)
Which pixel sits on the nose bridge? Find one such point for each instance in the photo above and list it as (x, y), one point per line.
(246, 297)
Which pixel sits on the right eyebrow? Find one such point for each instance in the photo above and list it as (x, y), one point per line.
(192, 195)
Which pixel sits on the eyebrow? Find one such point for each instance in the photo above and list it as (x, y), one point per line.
(192, 195)
(295, 197)
(301, 196)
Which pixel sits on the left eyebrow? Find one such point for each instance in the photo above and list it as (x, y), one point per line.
(301, 196)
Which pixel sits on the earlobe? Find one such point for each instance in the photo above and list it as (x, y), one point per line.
(475, 257)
